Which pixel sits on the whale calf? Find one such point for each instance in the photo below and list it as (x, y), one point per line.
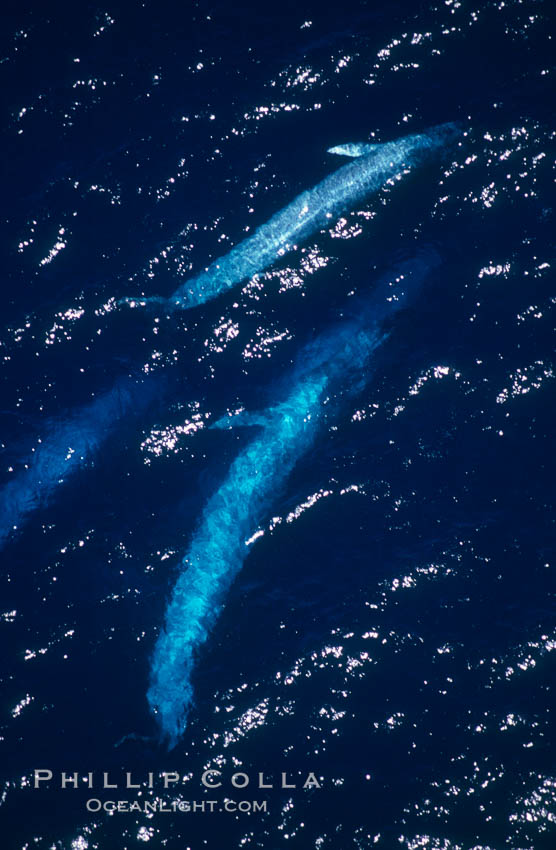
(333, 368)
(312, 210)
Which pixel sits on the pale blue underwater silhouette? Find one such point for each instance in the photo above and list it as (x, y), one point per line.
(308, 213)
(332, 369)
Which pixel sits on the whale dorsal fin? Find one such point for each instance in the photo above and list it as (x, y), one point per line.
(353, 149)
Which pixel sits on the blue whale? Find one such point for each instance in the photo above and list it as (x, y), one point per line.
(372, 167)
(71, 443)
(332, 369)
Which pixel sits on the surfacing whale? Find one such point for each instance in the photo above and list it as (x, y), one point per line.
(311, 211)
(332, 369)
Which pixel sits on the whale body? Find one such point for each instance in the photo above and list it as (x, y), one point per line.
(336, 366)
(71, 443)
(372, 167)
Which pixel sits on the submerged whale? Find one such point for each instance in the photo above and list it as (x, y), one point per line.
(332, 369)
(72, 442)
(312, 210)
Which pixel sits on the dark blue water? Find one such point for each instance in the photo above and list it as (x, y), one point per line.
(392, 629)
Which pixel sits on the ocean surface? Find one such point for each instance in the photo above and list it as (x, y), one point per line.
(392, 629)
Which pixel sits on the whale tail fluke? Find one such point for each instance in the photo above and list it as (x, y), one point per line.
(151, 302)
